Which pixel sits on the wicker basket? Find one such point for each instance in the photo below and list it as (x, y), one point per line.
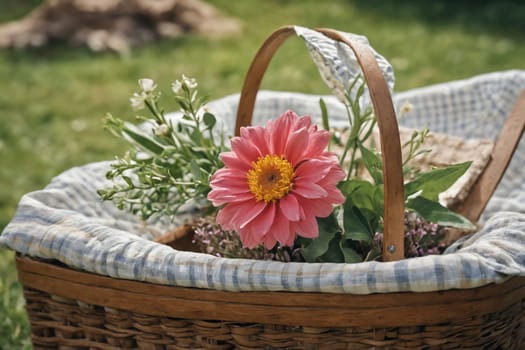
(72, 309)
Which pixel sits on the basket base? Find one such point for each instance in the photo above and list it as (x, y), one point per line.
(71, 309)
(62, 323)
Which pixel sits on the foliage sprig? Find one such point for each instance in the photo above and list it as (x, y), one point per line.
(352, 233)
(171, 161)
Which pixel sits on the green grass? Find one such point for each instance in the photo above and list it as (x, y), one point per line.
(52, 100)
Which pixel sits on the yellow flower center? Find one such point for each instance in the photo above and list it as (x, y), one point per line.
(271, 178)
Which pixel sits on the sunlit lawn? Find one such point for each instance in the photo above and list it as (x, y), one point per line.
(52, 100)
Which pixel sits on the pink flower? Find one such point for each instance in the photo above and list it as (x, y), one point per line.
(276, 181)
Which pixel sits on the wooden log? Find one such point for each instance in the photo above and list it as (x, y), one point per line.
(114, 25)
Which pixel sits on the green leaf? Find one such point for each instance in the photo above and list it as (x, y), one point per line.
(209, 120)
(195, 169)
(433, 182)
(378, 200)
(434, 212)
(356, 226)
(183, 104)
(374, 254)
(128, 180)
(113, 125)
(324, 114)
(317, 247)
(350, 255)
(356, 187)
(334, 253)
(364, 195)
(142, 139)
(372, 163)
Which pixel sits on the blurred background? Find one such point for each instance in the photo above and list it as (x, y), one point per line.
(52, 98)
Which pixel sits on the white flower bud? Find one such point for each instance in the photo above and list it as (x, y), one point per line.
(191, 83)
(162, 130)
(137, 101)
(176, 86)
(406, 108)
(147, 85)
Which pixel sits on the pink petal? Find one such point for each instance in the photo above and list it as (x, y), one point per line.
(307, 228)
(260, 224)
(330, 156)
(252, 213)
(335, 175)
(225, 215)
(317, 207)
(304, 122)
(219, 197)
(317, 143)
(233, 176)
(334, 195)
(231, 161)
(309, 190)
(278, 131)
(312, 170)
(228, 186)
(234, 215)
(244, 150)
(290, 207)
(248, 239)
(231, 185)
(282, 230)
(257, 136)
(269, 241)
(297, 143)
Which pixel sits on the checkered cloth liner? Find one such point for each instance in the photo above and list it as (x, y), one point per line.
(67, 221)
(337, 63)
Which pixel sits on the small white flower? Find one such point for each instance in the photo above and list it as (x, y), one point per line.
(147, 85)
(162, 130)
(187, 83)
(191, 83)
(406, 108)
(176, 86)
(137, 101)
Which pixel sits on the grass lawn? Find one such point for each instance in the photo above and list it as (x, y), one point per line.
(52, 100)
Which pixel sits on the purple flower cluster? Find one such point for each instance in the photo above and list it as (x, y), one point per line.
(421, 237)
(211, 239)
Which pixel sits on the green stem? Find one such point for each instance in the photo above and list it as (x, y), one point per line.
(352, 167)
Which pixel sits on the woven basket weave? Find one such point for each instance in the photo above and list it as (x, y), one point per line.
(72, 309)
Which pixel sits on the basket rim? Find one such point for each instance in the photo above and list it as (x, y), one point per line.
(309, 309)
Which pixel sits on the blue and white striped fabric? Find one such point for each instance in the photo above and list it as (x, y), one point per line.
(67, 221)
(337, 63)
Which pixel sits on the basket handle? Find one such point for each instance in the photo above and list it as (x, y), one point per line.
(393, 238)
(508, 139)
